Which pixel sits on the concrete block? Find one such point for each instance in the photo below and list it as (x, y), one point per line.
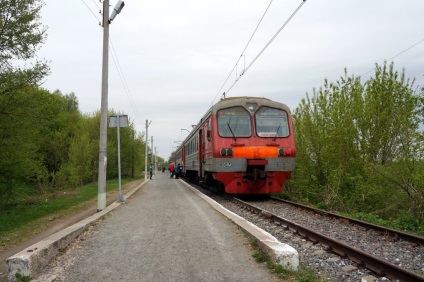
(283, 254)
(31, 261)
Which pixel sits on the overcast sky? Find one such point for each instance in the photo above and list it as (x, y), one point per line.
(174, 56)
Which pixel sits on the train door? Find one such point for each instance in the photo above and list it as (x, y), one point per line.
(201, 154)
(183, 159)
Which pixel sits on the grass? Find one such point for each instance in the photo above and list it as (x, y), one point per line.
(22, 278)
(20, 219)
(403, 222)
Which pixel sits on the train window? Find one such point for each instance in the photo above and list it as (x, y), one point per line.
(234, 122)
(271, 122)
(197, 144)
(209, 131)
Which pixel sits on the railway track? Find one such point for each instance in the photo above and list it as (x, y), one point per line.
(391, 233)
(340, 248)
(376, 264)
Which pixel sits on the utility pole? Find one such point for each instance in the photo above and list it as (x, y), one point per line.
(156, 161)
(151, 161)
(132, 156)
(101, 196)
(146, 149)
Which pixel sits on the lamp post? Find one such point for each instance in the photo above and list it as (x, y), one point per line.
(101, 196)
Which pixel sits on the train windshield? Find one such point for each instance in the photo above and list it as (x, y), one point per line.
(271, 122)
(234, 122)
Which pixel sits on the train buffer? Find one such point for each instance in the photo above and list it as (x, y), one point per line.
(164, 232)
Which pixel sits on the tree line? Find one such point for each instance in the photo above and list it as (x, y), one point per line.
(360, 145)
(46, 143)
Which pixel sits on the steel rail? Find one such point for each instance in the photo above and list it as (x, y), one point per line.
(394, 234)
(377, 265)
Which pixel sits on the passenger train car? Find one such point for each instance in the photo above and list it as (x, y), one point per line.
(243, 145)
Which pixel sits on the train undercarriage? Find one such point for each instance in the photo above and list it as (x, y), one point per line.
(255, 180)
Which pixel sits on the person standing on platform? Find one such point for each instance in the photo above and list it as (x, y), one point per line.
(151, 171)
(172, 170)
(177, 171)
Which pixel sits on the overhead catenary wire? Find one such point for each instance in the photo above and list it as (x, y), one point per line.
(266, 46)
(242, 53)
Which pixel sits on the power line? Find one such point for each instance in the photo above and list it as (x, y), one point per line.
(96, 5)
(266, 46)
(118, 67)
(91, 10)
(123, 81)
(242, 53)
(398, 54)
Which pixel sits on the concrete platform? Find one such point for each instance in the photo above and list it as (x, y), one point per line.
(166, 231)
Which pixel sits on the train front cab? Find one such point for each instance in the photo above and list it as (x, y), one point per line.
(252, 149)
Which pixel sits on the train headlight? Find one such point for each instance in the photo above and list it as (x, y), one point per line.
(284, 152)
(226, 151)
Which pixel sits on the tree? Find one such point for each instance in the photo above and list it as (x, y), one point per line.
(326, 139)
(22, 131)
(390, 114)
(60, 132)
(360, 146)
(81, 163)
(81, 166)
(392, 138)
(20, 36)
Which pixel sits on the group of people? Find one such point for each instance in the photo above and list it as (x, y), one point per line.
(175, 170)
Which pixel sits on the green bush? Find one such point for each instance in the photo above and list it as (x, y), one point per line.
(407, 222)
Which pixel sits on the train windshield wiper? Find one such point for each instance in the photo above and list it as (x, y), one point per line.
(276, 133)
(235, 139)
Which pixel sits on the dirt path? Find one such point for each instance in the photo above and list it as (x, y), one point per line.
(58, 225)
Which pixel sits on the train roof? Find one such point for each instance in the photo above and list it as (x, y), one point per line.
(242, 100)
(235, 101)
